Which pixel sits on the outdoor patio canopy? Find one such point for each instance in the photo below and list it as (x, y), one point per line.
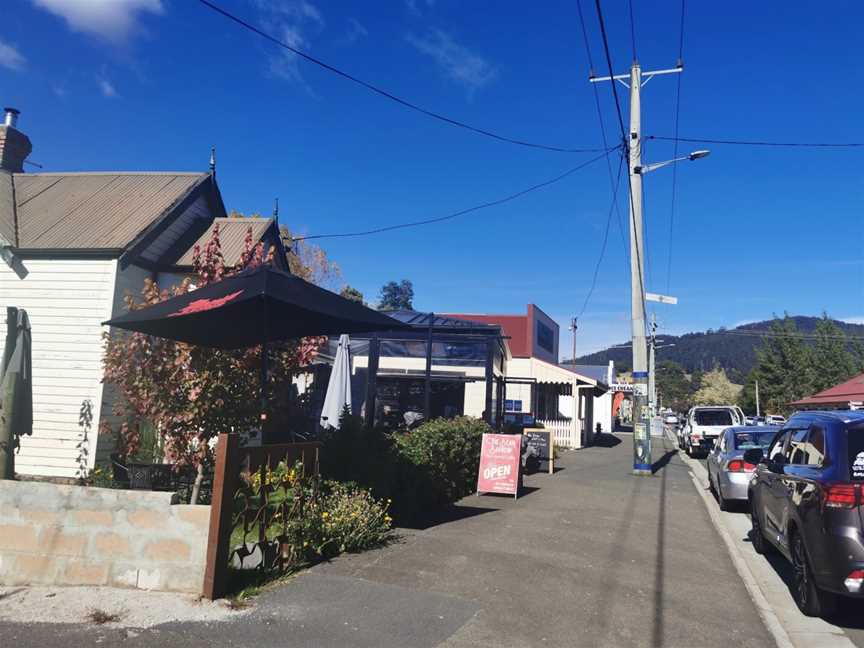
(429, 366)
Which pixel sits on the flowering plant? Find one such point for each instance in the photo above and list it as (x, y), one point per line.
(191, 394)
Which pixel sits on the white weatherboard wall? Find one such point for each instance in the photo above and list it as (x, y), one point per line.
(66, 300)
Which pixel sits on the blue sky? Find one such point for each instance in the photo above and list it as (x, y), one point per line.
(152, 84)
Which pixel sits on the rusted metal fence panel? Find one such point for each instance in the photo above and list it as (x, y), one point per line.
(231, 461)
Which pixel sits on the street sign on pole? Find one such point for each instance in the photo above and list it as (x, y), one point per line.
(660, 299)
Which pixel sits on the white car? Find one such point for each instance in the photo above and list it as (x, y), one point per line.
(775, 419)
(704, 425)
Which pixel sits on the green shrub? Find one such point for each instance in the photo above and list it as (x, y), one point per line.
(421, 471)
(448, 452)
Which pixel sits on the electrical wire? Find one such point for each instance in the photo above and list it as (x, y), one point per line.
(626, 149)
(633, 32)
(605, 237)
(462, 212)
(695, 140)
(384, 93)
(646, 247)
(794, 336)
(603, 134)
(675, 152)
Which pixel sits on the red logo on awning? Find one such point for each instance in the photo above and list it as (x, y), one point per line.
(201, 305)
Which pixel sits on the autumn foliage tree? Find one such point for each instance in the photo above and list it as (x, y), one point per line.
(189, 393)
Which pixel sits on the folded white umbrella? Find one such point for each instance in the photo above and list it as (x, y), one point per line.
(339, 387)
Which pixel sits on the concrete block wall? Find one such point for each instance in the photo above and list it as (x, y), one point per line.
(72, 535)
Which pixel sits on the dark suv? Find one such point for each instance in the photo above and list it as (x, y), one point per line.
(806, 501)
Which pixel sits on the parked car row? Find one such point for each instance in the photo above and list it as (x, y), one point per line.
(802, 483)
(770, 419)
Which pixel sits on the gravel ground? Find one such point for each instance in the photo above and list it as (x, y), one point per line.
(135, 608)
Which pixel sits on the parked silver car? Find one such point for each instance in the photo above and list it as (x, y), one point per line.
(728, 473)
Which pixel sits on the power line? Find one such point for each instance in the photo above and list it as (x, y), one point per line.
(462, 212)
(799, 336)
(647, 242)
(675, 153)
(633, 32)
(626, 149)
(605, 237)
(612, 183)
(696, 140)
(384, 93)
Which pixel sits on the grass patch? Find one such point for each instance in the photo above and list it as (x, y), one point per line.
(101, 617)
(246, 584)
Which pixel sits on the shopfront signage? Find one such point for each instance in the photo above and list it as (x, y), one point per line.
(540, 446)
(500, 462)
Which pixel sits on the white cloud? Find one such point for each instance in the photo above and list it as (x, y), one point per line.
(112, 20)
(106, 88)
(456, 61)
(414, 6)
(853, 320)
(291, 21)
(356, 31)
(10, 57)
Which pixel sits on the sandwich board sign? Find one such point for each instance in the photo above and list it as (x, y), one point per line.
(500, 462)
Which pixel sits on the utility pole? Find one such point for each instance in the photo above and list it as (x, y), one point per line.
(641, 420)
(652, 382)
(757, 398)
(573, 327)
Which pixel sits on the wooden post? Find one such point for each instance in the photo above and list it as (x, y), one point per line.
(219, 535)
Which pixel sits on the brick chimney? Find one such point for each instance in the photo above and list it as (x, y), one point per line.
(15, 146)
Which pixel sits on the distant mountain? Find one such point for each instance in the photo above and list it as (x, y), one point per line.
(735, 352)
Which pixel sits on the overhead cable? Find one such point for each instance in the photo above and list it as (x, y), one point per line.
(626, 146)
(612, 183)
(612, 208)
(696, 140)
(675, 153)
(461, 212)
(384, 93)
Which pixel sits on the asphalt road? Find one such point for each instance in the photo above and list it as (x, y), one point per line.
(773, 576)
(589, 556)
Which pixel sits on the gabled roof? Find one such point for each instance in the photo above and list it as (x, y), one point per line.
(851, 390)
(7, 207)
(232, 239)
(111, 211)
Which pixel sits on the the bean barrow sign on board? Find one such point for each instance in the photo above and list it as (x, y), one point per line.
(500, 456)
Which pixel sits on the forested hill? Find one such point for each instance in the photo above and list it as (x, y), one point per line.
(731, 349)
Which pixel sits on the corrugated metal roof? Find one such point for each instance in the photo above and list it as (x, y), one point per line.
(93, 210)
(232, 237)
(850, 390)
(7, 207)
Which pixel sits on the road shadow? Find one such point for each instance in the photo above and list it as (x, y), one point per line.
(657, 629)
(662, 461)
(450, 514)
(605, 440)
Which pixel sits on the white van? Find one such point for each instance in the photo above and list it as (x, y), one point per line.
(704, 424)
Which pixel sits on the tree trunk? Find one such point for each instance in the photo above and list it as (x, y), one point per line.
(196, 487)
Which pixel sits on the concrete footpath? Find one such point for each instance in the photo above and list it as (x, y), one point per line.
(589, 556)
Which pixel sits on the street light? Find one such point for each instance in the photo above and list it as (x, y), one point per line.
(695, 155)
